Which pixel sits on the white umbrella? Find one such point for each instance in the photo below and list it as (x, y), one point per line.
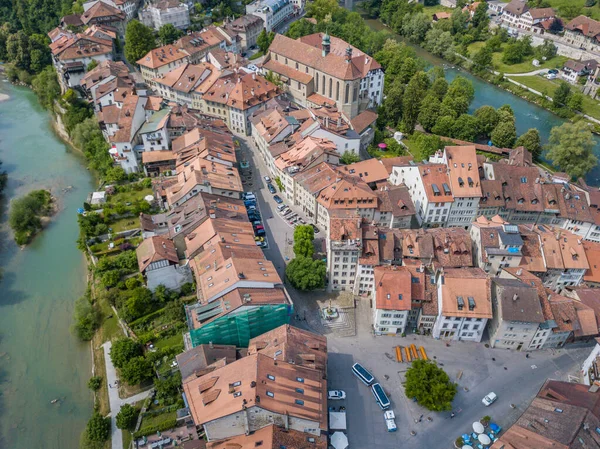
(339, 440)
(466, 446)
(478, 427)
(149, 198)
(484, 439)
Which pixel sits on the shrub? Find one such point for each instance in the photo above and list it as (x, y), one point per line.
(95, 383)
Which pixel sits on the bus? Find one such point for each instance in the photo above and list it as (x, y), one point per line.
(360, 372)
(380, 396)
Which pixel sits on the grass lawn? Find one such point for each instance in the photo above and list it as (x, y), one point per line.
(523, 67)
(594, 11)
(156, 420)
(126, 435)
(591, 107)
(129, 197)
(168, 342)
(431, 10)
(124, 224)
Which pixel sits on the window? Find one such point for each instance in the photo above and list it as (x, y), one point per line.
(299, 401)
(237, 394)
(270, 394)
(270, 377)
(300, 379)
(237, 383)
(300, 390)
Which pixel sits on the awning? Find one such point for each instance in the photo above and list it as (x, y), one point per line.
(337, 420)
(339, 440)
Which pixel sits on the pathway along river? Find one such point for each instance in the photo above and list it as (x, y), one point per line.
(40, 360)
(528, 115)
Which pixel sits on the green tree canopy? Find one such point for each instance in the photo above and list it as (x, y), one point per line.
(561, 95)
(430, 385)
(264, 40)
(95, 383)
(413, 96)
(124, 350)
(349, 157)
(98, 428)
(320, 9)
(531, 141)
(303, 241)
(506, 113)
(139, 40)
(487, 119)
(443, 126)
(127, 417)
(87, 318)
(430, 111)
(137, 370)
(305, 273)
(504, 135)
(466, 128)
(167, 34)
(570, 148)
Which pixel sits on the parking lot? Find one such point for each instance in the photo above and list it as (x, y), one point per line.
(476, 369)
(513, 377)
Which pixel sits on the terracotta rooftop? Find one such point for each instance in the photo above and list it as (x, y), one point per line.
(395, 199)
(190, 77)
(345, 228)
(104, 70)
(470, 284)
(258, 381)
(462, 171)
(533, 258)
(306, 152)
(317, 178)
(517, 301)
(520, 186)
(155, 249)
(393, 287)
(369, 170)
(102, 12)
(80, 46)
(287, 71)
(348, 193)
(363, 120)
(215, 230)
(562, 249)
(162, 56)
(390, 162)
(592, 252)
(272, 437)
(491, 191)
(149, 157)
(293, 345)
(436, 182)
(241, 91)
(193, 362)
(588, 27)
(516, 7)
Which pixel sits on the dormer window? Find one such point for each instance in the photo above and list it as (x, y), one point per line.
(461, 183)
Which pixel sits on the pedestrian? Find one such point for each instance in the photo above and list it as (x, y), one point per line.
(420, 418)
(451, 415)
(526, 356)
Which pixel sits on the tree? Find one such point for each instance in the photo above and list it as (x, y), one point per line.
(416, 27)
(167, 389)
(167, 34)
(92, 65)
(466, 128)
(458, 98)
(137, 370)
(430, 111)
(413, 96)
(87, 318)
(561, 95)
(25, 213)
(124, 350)
(139, 40)
(513, 54)
(425, 145)
(570, 148)
(98, 428)
(531, 141)
(506, 114)
(303, 241)
(480, 18)
(430, 385)
(391, 109)
(319, 9)
(127, 417)
(443, 126)
(569, 11)
(556, 26)
(575, 101)
(547, 49)
(439, 42)
(504, 135)
(483, 58)
(95, 383)
(264, 40)
(487, 119)
(306, 274)
(349, 157)
(439, 88)
(138, 304)
(300, 28)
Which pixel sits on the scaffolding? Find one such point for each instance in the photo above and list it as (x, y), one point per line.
(239, 327)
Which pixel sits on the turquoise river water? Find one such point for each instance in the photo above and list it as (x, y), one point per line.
(40, 360)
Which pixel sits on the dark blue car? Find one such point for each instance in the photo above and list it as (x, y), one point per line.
(271, 188)
(277, 199)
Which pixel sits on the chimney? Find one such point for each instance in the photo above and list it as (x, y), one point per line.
(519, 272)
(515, 297)
(325, 45)
(210, 344)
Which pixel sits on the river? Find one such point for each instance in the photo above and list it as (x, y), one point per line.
(40, 360)
(527, 115)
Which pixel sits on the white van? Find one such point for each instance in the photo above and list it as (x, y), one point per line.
(489, 399)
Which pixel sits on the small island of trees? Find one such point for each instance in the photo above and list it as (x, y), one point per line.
(26, 215)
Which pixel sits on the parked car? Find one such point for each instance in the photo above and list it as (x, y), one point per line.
(248, 196)
(259, 239)
(489, 399)
(334, 395)
(390, 422)
(281, 207)
(257, 227)
(257, 222)
(271, 188)
(301, 221)
(315, 228)
(555, 71)
(277, 199)
(261, 244)
(551, 76)
(267, 179)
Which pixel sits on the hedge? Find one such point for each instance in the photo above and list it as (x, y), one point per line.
(153, 429)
